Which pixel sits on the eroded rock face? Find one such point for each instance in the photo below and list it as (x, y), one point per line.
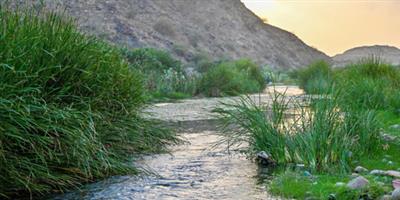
(387, 54)
(218, 28)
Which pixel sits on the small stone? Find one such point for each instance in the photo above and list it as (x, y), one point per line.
(396, 194)
(360, 169)
(358, 183)
(332, 197)
(307, 173)
(386, 197)
(393, 173)
(388, 138)
(340, 184)
(378, 172)
(396, 126)
(354, 175)
(396, 183)
(264, 158)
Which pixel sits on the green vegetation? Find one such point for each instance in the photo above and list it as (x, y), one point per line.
(164, 76)
(312, 135)
(232, 78)
(331, 133)
(70, 107)
(316, 78)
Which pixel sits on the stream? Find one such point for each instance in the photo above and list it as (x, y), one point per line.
(197, 169)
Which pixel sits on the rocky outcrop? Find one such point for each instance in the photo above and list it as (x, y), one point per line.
(387, 54)
(188, 28)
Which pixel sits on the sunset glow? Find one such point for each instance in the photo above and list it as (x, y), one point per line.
(334, 26)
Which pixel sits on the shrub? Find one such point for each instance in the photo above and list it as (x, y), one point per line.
(164, 75)
(316, 78)
(370, 84)
(232, 78)
(69, 107)
(320, 133)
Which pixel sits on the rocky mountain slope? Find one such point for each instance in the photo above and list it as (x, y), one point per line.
(387, 54)
(189, 28)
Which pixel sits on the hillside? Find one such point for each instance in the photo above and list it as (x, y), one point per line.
(387, 54)
(216, 28)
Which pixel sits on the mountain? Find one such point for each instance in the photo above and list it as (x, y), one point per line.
(189, 28)
(387, 54)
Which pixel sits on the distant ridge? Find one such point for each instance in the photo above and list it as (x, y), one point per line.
(388, 54)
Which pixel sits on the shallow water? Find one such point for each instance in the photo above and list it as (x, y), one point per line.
(192, 171)
(195, 170)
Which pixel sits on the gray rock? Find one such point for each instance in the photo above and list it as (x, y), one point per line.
(340, 184)
(264, 158)
(396, 126)
(360, 169)
(378, 172)
(393, 173)
(396, 194)
(386, 197)
(358, 183)
(388, 138)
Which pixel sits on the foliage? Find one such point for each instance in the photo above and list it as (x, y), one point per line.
(232, 78)
(370, 84)
(319, 133)
(69, 107)
(316, 78)
(164, 76)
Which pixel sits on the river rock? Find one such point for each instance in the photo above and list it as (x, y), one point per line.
(396, 183)
(264, 158)
(378, 172)
(392, 173)
(386, 197)
(360, 169)
(388, 138)
(396, 194)
(358, 183)
(396, 126)
(340, 184)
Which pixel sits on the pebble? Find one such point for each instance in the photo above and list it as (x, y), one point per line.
(396, 194)
(360, 169)
(378, 172)
(396, 126)
(358, 183)
(393, 173)
(340, 184)
(307, 173)
(396, 183)
(386, 197)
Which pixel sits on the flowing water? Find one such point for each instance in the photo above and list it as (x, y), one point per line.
(197, 169)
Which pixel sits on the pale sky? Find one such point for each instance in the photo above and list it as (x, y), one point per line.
(334, 26)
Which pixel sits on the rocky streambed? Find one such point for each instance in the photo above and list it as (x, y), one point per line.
(197, 169)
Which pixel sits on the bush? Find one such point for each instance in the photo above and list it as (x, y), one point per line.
(316, 78)
(69, 107)
(370, 84)
(232, 78)
(318, 133)
(164, 76)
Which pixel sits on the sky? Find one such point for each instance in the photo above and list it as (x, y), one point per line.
(334, 26)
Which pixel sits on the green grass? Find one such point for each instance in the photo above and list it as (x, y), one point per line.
(164, 76)
(316, 78)
(293, 184)
(320, 135)
(70, 107)
(232, 78)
